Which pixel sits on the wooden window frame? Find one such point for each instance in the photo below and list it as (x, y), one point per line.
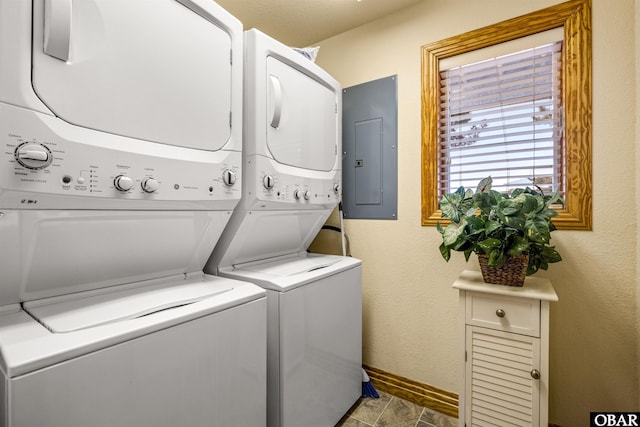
(575, 17)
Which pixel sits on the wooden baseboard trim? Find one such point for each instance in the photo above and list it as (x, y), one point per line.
(425, 395)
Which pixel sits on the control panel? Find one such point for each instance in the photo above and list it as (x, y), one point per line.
(276, 186)
(39, 165)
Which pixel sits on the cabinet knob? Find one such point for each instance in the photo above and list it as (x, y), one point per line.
(535, 374)
(500, 312)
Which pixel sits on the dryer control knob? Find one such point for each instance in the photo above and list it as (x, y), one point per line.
(268, 182)
(306, 194)
(336, 188)
(149, 185)
(297, 194)
(123, 183)
(229, 177)
(32, 155)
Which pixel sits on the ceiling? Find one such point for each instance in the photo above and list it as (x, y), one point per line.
(300, 23)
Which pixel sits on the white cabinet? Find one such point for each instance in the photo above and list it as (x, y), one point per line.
(505, 358)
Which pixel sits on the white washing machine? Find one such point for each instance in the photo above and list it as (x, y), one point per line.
(120, 128)
(292, 177)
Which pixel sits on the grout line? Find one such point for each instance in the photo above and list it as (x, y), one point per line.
(419, 417)
(385, 408)
(360, 421)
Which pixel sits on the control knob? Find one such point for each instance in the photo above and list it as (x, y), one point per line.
(229, 177)
(301, 194)
(32, 155)
(149, 185)
(336, 188)
(268, 182)
(123, 183)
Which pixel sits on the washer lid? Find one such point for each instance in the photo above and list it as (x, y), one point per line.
(285, 273)
(292, 266)
(28, 346)
(150, 70)
(82, 312)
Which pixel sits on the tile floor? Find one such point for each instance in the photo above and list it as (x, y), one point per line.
(391, 411)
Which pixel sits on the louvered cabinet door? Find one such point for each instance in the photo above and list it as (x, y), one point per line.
(500, 384)
(504, 343)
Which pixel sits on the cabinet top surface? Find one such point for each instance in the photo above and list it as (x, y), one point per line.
(534, 287)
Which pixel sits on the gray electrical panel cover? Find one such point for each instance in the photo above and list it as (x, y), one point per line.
(370, 150)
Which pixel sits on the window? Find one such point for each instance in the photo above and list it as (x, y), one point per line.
(523, 118)
(503, 117)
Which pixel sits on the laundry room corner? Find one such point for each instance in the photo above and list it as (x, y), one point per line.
(226, 213)
(409, 307)
(409, 317)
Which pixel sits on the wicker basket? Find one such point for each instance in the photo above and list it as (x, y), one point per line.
(511, 274)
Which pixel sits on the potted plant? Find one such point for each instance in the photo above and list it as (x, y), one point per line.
(509, 232)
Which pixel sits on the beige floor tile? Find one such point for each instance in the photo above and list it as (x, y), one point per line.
(391, 411)
(352, 422)
(436, 419)
(400, 413)
(368, 410)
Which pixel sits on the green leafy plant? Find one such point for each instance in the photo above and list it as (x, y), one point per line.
(500, 225)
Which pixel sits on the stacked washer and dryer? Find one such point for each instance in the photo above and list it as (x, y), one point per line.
(123, 168)
(292, 176)
(120, 127)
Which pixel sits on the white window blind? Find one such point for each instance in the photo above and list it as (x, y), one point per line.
(503, 117)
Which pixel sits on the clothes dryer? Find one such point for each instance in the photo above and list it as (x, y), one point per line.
(291, 184)
(120, 127)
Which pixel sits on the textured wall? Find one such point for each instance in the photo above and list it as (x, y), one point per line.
(410, 310)
(637, 176)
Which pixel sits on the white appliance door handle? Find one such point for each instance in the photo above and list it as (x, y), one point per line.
(57, 28)
(277, 101)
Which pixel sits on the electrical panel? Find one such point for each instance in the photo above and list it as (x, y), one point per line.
(370, 150)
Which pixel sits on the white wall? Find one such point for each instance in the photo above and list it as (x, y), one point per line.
(410, 310)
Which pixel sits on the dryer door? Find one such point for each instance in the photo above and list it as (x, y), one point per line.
(302, 118)
(156, 70)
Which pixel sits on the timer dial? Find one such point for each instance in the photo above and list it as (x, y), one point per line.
(32, 155)
(268, 182)
(123, 183)
(229, 177)
(149, 185)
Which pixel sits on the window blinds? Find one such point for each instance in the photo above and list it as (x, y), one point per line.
(503, 117)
